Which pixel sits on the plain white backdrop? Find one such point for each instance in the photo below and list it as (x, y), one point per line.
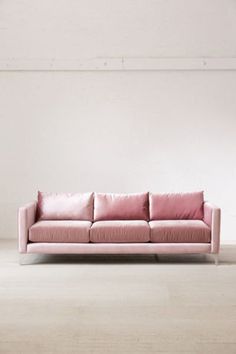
(73, 29)
(116, 131)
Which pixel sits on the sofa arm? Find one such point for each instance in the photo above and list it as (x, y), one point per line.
(26, 218)
(212, 216)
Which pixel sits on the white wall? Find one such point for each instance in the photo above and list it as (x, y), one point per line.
(68, 29)
(120, 131)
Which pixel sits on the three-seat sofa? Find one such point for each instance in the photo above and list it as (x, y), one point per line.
(119, 223)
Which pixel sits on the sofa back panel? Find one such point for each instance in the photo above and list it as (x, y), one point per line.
(176, 206)
(65, 206)
(112, 206)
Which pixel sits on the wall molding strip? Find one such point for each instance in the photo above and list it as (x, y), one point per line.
(118, 64)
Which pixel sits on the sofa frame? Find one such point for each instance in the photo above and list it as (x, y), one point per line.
(27, 217)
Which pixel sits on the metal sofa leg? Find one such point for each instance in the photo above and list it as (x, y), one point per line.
(22, 259)
(216, 258)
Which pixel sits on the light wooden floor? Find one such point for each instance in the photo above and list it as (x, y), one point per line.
(117, 304)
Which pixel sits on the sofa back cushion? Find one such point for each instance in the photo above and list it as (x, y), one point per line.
(121, 206)
(176, 206)
(65, 206)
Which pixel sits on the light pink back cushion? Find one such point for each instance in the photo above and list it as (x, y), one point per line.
(65, 206)
(176, 206)
(120, 206)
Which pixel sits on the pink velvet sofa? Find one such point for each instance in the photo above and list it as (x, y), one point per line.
(92, 223)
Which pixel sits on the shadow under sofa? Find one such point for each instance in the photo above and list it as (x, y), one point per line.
(106, 223)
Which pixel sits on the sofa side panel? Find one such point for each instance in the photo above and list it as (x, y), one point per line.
(212, 217)
(26, 218)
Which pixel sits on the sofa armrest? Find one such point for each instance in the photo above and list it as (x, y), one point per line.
(26, 218)
(212, 216)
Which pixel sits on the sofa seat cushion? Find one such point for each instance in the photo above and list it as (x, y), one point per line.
(120, 231)
(180, 231)
(60, 231)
